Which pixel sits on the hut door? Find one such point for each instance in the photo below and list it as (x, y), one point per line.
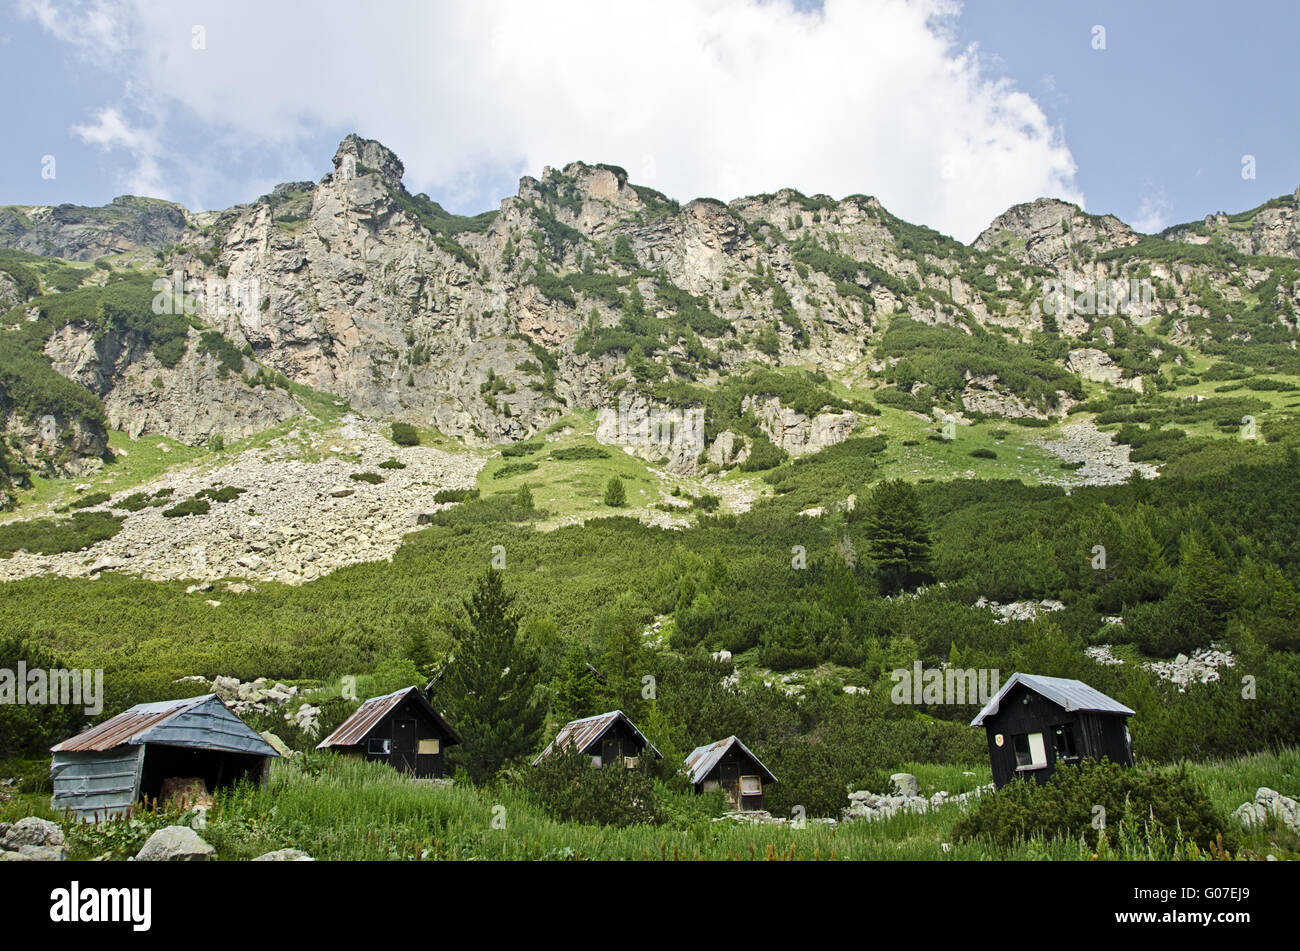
(729, 773)
(403, 757)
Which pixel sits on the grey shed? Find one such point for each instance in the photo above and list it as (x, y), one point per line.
(128, 758)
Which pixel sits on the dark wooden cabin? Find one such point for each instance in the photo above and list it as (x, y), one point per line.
(401, 729)
(730, 765)
(1036, 722)
(608, 738)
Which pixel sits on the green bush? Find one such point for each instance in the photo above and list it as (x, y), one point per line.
(514, 469)
(404, 434)
(371, 478)
(521, 448)
(455, 495)
(46, 536)
(567, 786)
(1170, 803)
(572, 453)
(194, 506)
(615, 493)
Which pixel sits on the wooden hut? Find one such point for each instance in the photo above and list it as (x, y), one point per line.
(730, 765)
(608, 738)
(1035, 722)
(401, 729)
(196, 744)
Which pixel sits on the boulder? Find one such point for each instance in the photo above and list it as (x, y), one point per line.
(32, 831)
(905, 785)
(285, 855)
(44, 853)
(175, 844)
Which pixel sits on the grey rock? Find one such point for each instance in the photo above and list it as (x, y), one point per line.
(32, 831)
(175, 844)
(285, 855)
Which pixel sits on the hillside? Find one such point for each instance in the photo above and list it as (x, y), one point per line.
(763, 452)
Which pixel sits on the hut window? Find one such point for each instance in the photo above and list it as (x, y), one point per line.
(1030, 752)
(710, 785)
(430, 747)
(630, 762)
(751, 785)
(378, 747)
(1063, 738)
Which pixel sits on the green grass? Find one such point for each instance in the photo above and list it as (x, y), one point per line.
(572, 488)
(941, 460)
(341, 809)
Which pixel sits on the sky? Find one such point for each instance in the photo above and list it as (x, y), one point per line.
(1159, 112)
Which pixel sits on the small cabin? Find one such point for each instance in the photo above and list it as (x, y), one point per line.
(153, 751)
(608, 738)
(401, 729)
(1035, 722)
(730, 765)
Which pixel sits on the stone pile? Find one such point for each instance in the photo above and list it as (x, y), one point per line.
(1269, 803)
(301, 516)
(1201, 667)
(905, 796)
(1020, 610)
(32, 840)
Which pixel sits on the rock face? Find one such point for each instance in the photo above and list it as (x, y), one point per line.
(190, 402)
(53, 445)
(580, 290)
(83, 234)
(1053, 233)
(1096, 365)
(1271, 229)
(175, 844)
(795, 432)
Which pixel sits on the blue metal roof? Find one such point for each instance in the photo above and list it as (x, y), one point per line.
(1072, 695)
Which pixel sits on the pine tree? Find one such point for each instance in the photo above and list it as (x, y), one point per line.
(488, 688)
(615, 494)
(898, 535)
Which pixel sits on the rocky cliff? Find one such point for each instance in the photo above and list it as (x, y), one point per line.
(584, 289)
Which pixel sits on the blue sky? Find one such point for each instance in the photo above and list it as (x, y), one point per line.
(948, 113)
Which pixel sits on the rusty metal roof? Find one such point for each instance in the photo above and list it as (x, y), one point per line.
(355, 728)
(202, 722)
(1070, 695)
(702, 759)
(588, 730)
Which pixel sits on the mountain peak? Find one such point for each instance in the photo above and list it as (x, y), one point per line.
(369, 155)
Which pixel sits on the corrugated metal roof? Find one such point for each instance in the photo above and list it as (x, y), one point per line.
(354, 729)
(702, 759)
(1070, 695)
(202, 722)
(588, 730)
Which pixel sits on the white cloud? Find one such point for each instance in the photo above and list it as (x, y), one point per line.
(717, 98)
(111, 130)
(1153, 211)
